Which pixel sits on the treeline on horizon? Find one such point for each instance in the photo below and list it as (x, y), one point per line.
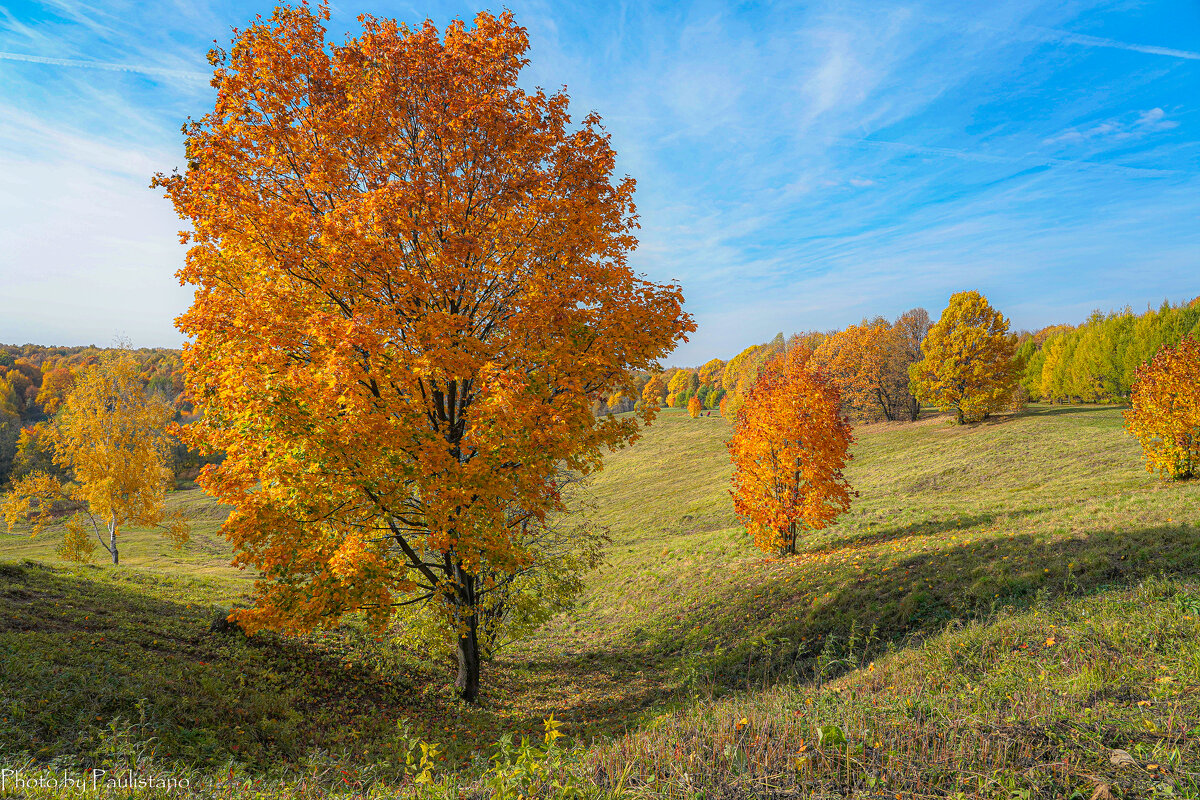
(1096, 362)
(1093, 362)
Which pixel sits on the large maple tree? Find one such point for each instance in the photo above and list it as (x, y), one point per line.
(411, 278)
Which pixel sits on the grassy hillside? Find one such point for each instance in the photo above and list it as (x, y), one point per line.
(950, 576)
(950, 524)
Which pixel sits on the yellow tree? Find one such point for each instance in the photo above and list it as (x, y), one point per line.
(694, 406)
(1052, 386)
(1164, 410)
(112, 438)
(789, 447)
(710, 373)
(654, 392)
(411, 281)
(676, 387)
(969, 363)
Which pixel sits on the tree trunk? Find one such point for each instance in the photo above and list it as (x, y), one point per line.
(112, 541)
(467, 682)
(467, 616)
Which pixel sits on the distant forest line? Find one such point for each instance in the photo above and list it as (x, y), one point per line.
(1093, 362)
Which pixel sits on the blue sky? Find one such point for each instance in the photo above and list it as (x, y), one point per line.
(799, 165)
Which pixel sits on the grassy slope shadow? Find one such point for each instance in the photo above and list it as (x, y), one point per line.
(90, 660)
(797, 622)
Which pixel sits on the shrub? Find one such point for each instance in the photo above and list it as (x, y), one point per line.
(1165, 410)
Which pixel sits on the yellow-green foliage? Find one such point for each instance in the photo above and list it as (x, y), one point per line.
(112, 438)
(1097, 361)
(742, 370)
(530, 770)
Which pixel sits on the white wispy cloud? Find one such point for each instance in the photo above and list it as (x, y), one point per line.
(798, 165)
(1117, 129)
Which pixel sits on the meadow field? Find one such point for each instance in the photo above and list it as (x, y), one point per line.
(1010, 609)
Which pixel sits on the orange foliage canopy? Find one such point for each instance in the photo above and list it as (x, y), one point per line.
(1164, 410)
(410, 279)
(56, 385)
(789, 447)
(694, 406)
(654, 391)
(869, 365)
(857, 361)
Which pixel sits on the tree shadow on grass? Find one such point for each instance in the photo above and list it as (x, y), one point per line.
(1058, 411)
(800, 618)
(930, 527)
(89, 660)
(81, 654)
(596, 691)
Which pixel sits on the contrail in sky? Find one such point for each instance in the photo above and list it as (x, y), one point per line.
(1096, 41)
(71, 62)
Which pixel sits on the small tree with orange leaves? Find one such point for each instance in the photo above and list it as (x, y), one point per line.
(1165, 411)
(789, 447)
(411, 281)
(694, 406)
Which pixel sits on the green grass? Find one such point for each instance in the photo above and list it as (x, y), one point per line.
(1019, 704)
(145, 550)
(962, 540)
(949, 524)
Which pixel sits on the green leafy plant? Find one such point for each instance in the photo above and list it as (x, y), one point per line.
(531, 769)
(420, 757)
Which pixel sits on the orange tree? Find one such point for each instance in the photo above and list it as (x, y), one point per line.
(411, 277)
(694, 406)
(790, 444)
(1164, 410)
(969, 363)
(859, 360)
(654, 392)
